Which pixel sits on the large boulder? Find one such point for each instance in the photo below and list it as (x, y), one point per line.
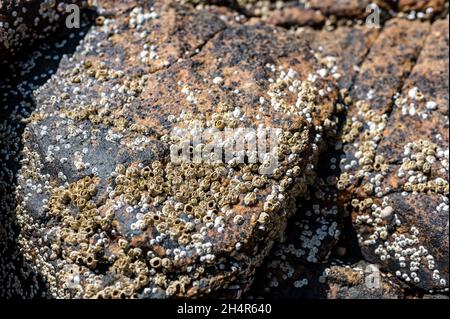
(104, 209)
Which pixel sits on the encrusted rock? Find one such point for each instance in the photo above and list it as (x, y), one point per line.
(23, 23)
(401, 207)
(341, 8)
(387, 211)
(103, 194)
(289, 279)
(422, 5)
(104, 208)
(296, 16)
(343, 49)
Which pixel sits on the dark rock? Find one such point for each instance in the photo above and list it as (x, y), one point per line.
(288, 279)
(23, 23)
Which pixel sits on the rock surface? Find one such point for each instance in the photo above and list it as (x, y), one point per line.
(288, 279)
(295, 16)
(95, 206)
(23, 23)
(406, 190)
(416, 5)
(104, 210)
(381, 145)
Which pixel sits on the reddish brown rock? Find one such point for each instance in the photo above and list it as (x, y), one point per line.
(289, 279)
(343, 49)
(406, 235)
(372, 95)
(400, 209)
(421, 5)
(104, 211)
(421, 111)
(341, 8)
(390, 60)
(296, 16)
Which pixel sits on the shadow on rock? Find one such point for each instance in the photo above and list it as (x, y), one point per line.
(20, 80)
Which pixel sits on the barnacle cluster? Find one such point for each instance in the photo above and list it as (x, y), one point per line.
(103, 211)
(144, 209)
(23, 23)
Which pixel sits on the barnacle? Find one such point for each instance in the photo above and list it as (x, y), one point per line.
(156, 262)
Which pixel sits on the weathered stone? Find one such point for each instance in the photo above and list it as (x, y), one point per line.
(103, 211)
(390, 60)
(372, 94)
(343, 49)
(296, 16)
(288, 279)
(400, 209)
(421, 111)
(341, 8)
(408, 239)
(115, 205)
(421, 5)
(361, 281)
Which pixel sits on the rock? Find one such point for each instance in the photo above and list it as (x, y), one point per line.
(411, 67)
(96, 205)
(289, 279)
(408, 242)
(361, 281)
(98, 183)
(372, 94)
(422, 108)
(410, 5)
(380, 78)
(315, 229)
(341, 8)
(410, 177)
(343, 49)
(296, 16)
(22, 23)
(332, 280)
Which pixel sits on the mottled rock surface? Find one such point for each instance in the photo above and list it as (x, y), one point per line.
(341, 8)
(104, 210)
(289, 279)
(417, 5)
(388, 136)
(295, 16)
(95, 205)
(401, 208)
